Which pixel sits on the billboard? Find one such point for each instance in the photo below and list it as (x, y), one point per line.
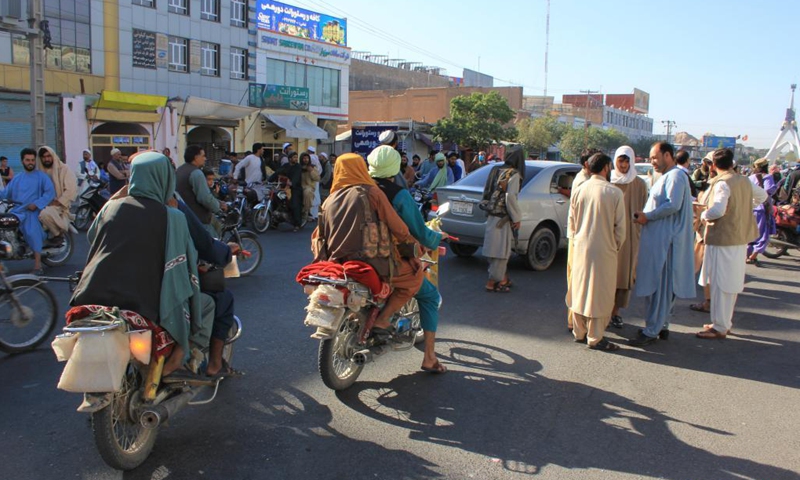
(299, 22)
(294, 46)
(641, 101)
(278, 96)
(719, 142)
(477, 79)
(365, 139)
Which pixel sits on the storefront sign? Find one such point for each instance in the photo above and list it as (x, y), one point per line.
(302, 23)
(144, 49)
(278, 96)
(162, 44)
(365, 139)
(195, 56)
(297, 46)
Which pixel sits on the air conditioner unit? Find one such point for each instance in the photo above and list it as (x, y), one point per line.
(14, 9)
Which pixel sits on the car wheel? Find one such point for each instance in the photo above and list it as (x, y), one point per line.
(542, 249)
(461, 250)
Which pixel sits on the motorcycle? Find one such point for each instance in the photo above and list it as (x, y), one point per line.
(90, 201)
(276, 208)
(344, 312)
(53, 255)
(250, 258)
(29, 309)
(787, 222)
(424, 200)
(122, 385)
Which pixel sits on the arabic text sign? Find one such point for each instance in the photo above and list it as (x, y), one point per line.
(299, 22)
(365, 139)
(278, 96)
(330, 53)
(719, 142)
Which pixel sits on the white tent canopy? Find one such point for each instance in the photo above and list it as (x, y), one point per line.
(297, 126)
(195, 107)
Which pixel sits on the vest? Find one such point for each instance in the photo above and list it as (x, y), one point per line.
(738, 225)
(184, 189)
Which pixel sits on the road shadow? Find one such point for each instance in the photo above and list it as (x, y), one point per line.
(495, 403)
(282, 434)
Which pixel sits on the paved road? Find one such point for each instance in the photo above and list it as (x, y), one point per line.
(521, 399)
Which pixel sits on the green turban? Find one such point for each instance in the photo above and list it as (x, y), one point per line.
(440, 157)
(384, 162)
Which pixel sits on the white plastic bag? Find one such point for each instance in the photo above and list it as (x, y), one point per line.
(97, 363)
(63, 345)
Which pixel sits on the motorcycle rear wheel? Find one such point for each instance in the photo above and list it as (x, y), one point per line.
(338, 372)
(63, 255)
(121, 440)
(83, 218)
(775, 251)
(411, 311)
(33, 296)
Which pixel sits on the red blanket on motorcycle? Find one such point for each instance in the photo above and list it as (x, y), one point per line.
(361, 272)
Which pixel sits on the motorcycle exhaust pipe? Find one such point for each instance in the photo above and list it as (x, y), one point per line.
(363, 357)
(155, 416)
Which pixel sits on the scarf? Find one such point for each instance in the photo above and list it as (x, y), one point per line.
(64, 181)
(618, 178)
(350, 170)
(384, 162)
(440, 180)
(152, 177)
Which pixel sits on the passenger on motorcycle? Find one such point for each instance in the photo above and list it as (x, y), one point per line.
(440, 176)
(55, 217)
(31, 192)
(141, 258)
(294, 172)
(384, 164)
(337, 240)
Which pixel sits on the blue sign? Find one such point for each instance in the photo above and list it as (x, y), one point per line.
(719, 142)
(301, 23)
(365, 139)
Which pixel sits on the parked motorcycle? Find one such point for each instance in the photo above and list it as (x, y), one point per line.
(53, 255)
(250, 258)
(28, 309)
(90, 201)
(344, 312)
(113, 363)
(787, 221)
(277, 207)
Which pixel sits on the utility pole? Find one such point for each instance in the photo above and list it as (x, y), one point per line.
(670, 124)
(586, 117)
(546, 47)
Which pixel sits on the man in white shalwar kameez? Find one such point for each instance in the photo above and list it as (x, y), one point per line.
(730, 226)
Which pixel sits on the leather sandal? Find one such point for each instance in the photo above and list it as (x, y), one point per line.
(710, 326)
(699, 307)
(710, 334)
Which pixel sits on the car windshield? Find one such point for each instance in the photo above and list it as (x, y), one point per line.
(478, 177)
(643, 169)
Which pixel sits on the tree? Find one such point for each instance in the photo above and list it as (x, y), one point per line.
(642, 146)
(575, 140)
(477, 120)
(540, 133)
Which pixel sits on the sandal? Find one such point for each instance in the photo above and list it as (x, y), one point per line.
(437, 368)
(501, 287)
(605, 346)
(227, 372)
(710, 334)
(699, 307)
(710, 326)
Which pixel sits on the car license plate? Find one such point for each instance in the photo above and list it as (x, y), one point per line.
(461, 208)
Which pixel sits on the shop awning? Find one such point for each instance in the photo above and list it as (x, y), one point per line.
(195, 107)
(129, 102)
(343, 137)
(297, 126)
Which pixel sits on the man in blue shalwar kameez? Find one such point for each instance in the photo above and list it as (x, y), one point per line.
(666, 255)
(31, 192)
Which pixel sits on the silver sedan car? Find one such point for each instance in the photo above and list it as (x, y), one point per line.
(543, 202)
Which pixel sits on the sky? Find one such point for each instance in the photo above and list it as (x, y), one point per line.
(712, 66)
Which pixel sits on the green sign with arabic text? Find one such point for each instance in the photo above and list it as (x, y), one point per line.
(279, 97)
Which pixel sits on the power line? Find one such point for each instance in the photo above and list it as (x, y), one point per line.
(670, 124)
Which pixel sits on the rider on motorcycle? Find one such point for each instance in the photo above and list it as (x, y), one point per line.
(384, 164)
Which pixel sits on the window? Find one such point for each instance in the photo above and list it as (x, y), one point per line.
(210, 65)
(178, 6)
(209, 10)
(69, 22)
(178, 54)
(238, 63)
(145, 3)
(239, 13)
(322, 83)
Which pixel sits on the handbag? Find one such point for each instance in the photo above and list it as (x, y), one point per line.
(212, 280)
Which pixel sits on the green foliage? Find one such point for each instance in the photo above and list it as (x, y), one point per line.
(575, 140)
(477, 120)
(540, 133)
(642, 146)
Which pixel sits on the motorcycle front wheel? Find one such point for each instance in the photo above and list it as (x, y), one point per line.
(776, 251)
(247, 241)
(83, 218)
(28, 321)
(261, 220)
(121, 440)
(336, 368)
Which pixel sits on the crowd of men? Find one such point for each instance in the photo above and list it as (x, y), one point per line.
(624, 240)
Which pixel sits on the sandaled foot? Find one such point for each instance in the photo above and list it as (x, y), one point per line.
(604, 346)
(435, 368)
(226, 372)
(710, 334)
(710, 326)
(502, 287)
(700, 307)
(616, 321)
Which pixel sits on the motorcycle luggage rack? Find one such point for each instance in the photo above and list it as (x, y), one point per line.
(330, 281)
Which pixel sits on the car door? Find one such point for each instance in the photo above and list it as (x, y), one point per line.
(562, 178)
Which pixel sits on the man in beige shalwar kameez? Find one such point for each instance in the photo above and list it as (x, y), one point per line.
(55, 217)
(634, 191)
(597, 229)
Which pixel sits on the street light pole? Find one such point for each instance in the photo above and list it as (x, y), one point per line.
(670, 124)
(36, 47)
(585, 117)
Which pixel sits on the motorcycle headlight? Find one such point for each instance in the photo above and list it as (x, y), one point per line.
(282, 195)
(417, 197)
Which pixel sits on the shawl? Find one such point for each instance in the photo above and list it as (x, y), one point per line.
(384, 162)
(618, 178)
(64, 181)
(350, 170)
(440, 180)
(152, 177)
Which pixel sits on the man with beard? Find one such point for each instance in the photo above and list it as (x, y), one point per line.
(32, 191)
(55, 217)
(666, 268)
(441, 176)
(452, 162)
(294, 172)
(597, 229)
